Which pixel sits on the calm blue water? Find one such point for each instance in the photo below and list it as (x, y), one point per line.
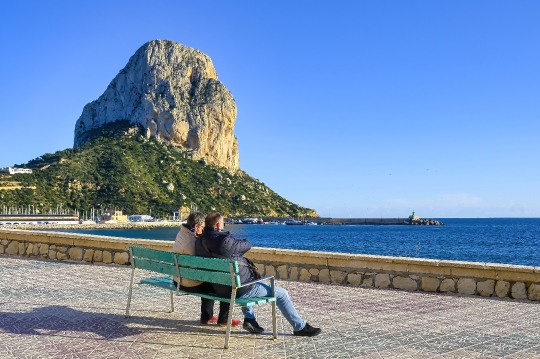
(506, 240)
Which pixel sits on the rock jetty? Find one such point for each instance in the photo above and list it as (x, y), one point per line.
(414, 220)
(172, 91)
(423, 222)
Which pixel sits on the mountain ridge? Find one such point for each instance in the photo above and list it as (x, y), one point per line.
(123, 169)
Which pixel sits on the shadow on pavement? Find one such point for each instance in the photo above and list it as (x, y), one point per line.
(56, 319)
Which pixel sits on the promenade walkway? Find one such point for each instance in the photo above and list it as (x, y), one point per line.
(55, 309)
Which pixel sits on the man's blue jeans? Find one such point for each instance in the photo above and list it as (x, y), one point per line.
(283, 302)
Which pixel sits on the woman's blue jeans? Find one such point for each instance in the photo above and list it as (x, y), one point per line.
(283, 302)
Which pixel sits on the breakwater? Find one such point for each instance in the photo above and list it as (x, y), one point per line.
(330, 220)
(413, 274)
(367, 221)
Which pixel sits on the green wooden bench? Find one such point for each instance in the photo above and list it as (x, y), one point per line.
(212, 270)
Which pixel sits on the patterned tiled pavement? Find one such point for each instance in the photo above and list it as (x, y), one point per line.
(53, 309)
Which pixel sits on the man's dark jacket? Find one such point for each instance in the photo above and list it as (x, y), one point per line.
(225, 245)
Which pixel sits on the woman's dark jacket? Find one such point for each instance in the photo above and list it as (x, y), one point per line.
(225, 245)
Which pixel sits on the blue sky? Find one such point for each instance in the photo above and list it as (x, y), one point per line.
(354, 108)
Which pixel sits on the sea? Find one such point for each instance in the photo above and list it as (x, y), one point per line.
(491, 240)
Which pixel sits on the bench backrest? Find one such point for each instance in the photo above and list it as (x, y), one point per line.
(153, 260)
(212, 270)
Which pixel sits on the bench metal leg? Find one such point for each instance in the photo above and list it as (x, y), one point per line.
(172, 301)
(130, 292)
(229, 320)
(274, 321)
(274, 315)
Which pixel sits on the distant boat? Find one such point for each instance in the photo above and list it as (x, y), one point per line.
(292, 222)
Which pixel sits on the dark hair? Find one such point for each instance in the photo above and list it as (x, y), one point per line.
(212, 219)
(195, 218)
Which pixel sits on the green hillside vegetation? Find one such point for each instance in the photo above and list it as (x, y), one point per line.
(121, 169)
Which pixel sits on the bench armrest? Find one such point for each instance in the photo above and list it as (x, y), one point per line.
(271, 277)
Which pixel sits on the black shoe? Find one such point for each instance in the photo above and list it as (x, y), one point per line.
(308, 331)
(252, 326)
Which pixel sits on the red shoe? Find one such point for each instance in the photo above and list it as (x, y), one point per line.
(210, 321)
(234, 323)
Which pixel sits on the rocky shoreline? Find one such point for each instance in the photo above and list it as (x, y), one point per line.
(129, 225)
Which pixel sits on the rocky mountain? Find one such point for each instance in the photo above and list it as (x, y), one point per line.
(160, 138)
(173, 92)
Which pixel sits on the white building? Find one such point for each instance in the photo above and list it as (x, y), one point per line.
(14, 170)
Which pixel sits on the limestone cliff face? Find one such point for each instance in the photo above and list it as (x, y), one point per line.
(173, 92)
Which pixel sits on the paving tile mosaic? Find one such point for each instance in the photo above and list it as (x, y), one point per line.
(465, 354)
(401, 353)
(55, 309)
(451, 342)
(525, 354)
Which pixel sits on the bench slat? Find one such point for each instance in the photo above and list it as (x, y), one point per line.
(244, 302)
(207, 276)
(162, 282)
(158, 267)
(167, 283)
(248, 302)
(216, 264)
(152, 254)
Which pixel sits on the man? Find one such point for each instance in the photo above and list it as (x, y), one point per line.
(185, 244)
(214, 242)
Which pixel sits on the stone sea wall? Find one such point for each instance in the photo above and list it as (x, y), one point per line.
(72, 246)
(413, 274)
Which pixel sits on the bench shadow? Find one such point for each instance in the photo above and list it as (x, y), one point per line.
(57, 319)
